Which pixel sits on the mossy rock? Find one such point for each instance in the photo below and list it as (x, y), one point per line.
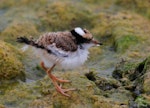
(132, 70)
(141, 76)
(124, 42)
(102, 25)
(43, 94)
(14, 3)
(107, 83)
(142, 102)
(64, 16)
(141, 7)
(125, 70)
(16, 29)
(146, 82)
(10, 64)
(126, 31)
(135, 76)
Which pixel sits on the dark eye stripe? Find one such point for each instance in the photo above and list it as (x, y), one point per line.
(84, 31)
(79, 38)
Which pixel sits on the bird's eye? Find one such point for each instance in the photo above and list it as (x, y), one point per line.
(85, 31)
(90, 39)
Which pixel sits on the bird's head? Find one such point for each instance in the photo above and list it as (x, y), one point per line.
(83, 36)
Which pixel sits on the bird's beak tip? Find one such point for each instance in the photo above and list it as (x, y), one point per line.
(97, 43)
(100, 43)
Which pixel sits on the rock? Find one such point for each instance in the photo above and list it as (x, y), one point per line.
(146, 80)
(125, 70)
(142, 102)
(43, 94)
(107, 83)
(126, 32)
(10, 64)
(17, 29)
(135, 77)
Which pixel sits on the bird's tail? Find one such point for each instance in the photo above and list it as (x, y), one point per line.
(31, 43)
(28, 42)
(25, 40)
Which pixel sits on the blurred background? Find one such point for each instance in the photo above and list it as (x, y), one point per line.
(118, 71)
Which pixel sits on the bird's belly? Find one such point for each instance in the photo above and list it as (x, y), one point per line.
(73, 60)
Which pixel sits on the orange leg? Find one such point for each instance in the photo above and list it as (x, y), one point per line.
(55, 79)
(52, 76)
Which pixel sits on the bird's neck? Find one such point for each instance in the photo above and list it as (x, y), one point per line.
(85, 46)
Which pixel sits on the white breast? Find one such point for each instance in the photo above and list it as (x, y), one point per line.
(74, 59)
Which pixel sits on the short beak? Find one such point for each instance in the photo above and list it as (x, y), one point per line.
(97, 43)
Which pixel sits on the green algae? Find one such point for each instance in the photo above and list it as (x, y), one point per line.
(142, 102)
(122, 43)
(10, 65)
(63, 15)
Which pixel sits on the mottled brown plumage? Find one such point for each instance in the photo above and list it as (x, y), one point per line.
(65, 41)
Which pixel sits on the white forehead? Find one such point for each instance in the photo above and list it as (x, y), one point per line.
(79, 31)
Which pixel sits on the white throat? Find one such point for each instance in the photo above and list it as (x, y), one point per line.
(87, 45)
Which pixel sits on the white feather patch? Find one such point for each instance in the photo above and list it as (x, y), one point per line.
(57, 51)
(79, 31)
(24, 48)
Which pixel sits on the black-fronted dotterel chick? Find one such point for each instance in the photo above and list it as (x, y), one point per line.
(67, 49)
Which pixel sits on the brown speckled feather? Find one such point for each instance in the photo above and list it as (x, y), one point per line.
(65, 41)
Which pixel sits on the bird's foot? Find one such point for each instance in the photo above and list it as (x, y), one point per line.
(59, 80)
(55, 80)
(59, 87)
(63, 91)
